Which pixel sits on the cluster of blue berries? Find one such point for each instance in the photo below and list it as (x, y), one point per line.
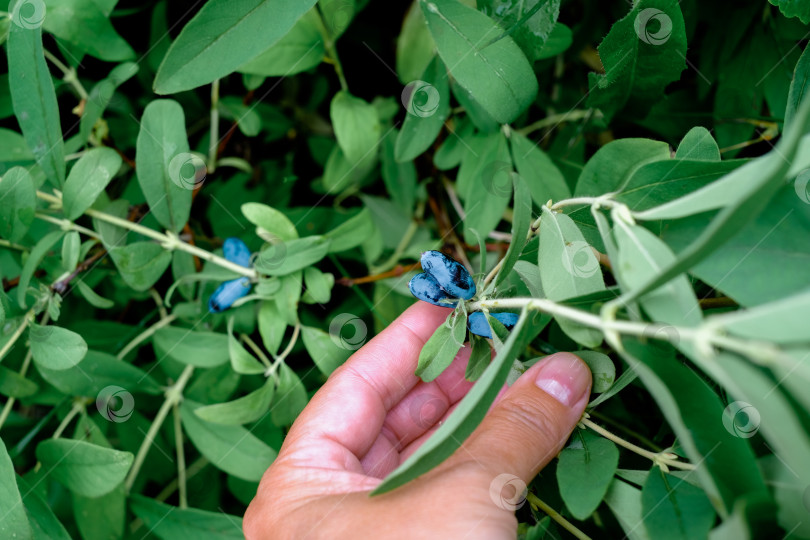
(229, 292)
(445, 281)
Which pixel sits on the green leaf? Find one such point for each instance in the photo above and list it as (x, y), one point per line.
(568, 268)
(641, 256)
(271, 326)
(489, 190)
(102, 94)
(328, 352)
(449, 154)
(544, 179)
(290, 398)
(56, 348)
(34, 99)
(612, 166)
(357, 126)
(13, 150)
(427, 102)
(84, 468)
(480, 357)
(521, 221)
(399, 178)
(170, 522)
(87, 179)
(798, 86)
(674, 508)
(529, 30)
(558, 42)
(195, 348)
(351, 233)
(642, 54)
(496, 73)
(415, 46)
(584, 472)
(19, 201)
(246, 409)
(35, 257)
(530, 275)
(468, 414)
(71, 243)
(93, 298)
(758, 182)
(232, 449)
(82, 23)
(221, 37)
(792, 8)
(317, 286)
(12, 384)
(141, 264)
(300, 49)
(442, 347)
(728, 469)
(625, 502)
(14, 523)
(778, 322)
(603, 370)
(97, 371)
(44, 523)
(287, 257)
(247, 118)
(241, 360)
(271, 220)
(167, 172)
(698, 144)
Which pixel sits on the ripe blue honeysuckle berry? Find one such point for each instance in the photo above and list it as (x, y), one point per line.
(477, 322)
(449, 274)
(236, 251)
(228, 293)
(425, 288)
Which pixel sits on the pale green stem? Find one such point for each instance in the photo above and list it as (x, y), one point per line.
(255, 348)
(169, 241)
(281, 357)
(146, 334)
(27, 318)
(555, 119)
(67, 225)
(24, 368)
(213, 138)
(12, 245)
(158, 302)
(656, 457)
(556, 516)
(76, 409)
(331, 51)
(404, 242)
(173, 395)
(69, 74)
(181, 456)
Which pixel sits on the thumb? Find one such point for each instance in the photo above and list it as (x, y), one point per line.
(530, 423)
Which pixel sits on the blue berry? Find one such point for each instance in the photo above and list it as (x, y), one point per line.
(449, 274)
(425, 288)
(236, 251)
(477, 322)
(228, 293)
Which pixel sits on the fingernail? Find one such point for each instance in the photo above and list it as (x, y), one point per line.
(564, 377)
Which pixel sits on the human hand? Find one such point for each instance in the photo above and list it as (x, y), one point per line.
(373, 413)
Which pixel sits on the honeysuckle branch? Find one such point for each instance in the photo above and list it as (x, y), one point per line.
(78, 406)
(173, 396)
(331, 51)
(168, 240)
(67, 225)
(69, 75)
(255, 348)
(181, 457)
(704, 337)
(538, 504)
(663, 459)
(213, 139)
(555, 119)
(271, 371)
(27, 318)
(12, 245)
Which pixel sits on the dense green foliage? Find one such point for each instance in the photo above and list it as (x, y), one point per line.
(629, 177)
